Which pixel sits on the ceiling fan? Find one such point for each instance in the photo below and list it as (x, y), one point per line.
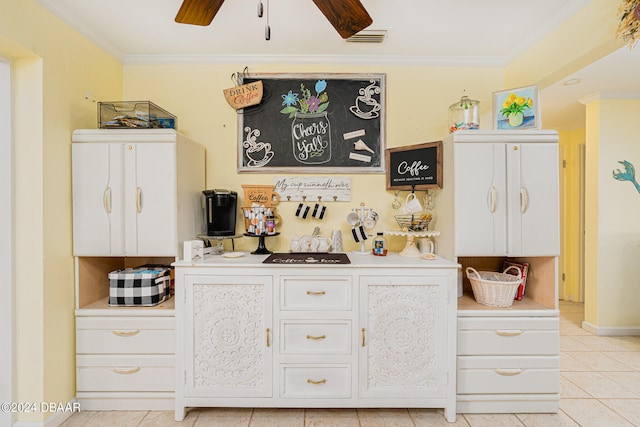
(347, 16)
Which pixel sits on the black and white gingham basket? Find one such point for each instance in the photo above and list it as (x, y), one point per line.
(141, 286)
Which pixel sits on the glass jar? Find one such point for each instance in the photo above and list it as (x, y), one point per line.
(379, 245)
(464, 115)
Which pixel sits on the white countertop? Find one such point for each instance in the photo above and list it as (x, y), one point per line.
(370, 261)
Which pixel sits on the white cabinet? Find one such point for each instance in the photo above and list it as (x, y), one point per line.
(371, 334)
(505, 195)
(504, 205)
(135, 192)
(136, 197)
(403, 348)
(230, 347)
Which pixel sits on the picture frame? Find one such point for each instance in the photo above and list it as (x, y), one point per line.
(414, 167)
(517, 109)
(344, 132)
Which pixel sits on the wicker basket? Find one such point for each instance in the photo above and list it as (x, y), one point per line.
(494, 289)
(414, 222)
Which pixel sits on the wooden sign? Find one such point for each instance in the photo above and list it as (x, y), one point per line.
(245, 95)
(313, 188)
(415, 167)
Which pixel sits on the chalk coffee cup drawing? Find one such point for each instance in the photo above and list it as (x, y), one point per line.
(412, 204)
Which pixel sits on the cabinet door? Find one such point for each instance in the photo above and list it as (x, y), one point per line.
(97, 199)
(228, 336)
(150, 199)
(480, 199)
(532, 176)
(403, 337)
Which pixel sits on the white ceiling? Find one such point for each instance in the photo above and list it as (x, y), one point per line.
(473, 32)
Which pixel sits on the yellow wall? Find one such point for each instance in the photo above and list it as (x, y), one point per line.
(417, 111)
(53, 68)
(613, 230)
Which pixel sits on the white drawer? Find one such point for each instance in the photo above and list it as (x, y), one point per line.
(302, 381)
(125, 341)
(508, 336)
(321, 293)
(125, 373)
(495, 375)
(310, 337)
(508, 342)
(104, 322)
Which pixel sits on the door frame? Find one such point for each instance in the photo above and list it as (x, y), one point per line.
(6, 243)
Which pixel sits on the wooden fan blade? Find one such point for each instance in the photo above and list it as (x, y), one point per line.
(346, 16)
(198, 12)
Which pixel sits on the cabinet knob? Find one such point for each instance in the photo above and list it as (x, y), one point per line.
(310, 381)
(316, 292)
(509, 332)
(129, 147)
(509, 372)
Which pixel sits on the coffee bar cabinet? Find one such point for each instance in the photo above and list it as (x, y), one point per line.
(378, 332)
(505, 206)
(136, 197)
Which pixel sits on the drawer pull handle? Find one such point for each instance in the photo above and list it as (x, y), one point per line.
(316, 292)
(363, 337)
(509, 333)
(311, 337)
(509, 372)
(126, 371)
(268, 337)
(310, 381)
(126, 333)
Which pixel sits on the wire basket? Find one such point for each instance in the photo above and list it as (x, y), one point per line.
(494, 289)
(414, 222)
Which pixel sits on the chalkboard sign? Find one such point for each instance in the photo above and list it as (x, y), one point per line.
(312, 123)
(415, 167)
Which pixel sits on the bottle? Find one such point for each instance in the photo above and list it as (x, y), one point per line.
(379, 245)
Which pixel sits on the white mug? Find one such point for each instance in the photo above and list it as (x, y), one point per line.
(353, 218)
(412, 204)
(371, 220)
(426, 245)
(324, 243)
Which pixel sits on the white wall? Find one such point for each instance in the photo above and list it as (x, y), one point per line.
(6, 243)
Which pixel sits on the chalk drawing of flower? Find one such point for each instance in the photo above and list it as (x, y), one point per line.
(305, 102)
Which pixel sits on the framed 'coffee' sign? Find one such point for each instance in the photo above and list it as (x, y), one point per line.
(312, 123)
(414, 167)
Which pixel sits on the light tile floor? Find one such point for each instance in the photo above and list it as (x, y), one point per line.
(599, 381)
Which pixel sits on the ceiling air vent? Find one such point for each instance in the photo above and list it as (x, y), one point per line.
(368, 36)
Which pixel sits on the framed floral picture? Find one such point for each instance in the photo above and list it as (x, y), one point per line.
(516, 109)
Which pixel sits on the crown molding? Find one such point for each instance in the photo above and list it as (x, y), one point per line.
(386, 60)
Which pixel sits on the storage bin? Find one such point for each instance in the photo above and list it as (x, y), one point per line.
(134, 114)
(141, 286)
(494, 289)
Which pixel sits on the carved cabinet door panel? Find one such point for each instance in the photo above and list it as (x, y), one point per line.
(229, 350)
(403, 337)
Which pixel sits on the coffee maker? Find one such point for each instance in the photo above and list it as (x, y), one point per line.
(220, 212)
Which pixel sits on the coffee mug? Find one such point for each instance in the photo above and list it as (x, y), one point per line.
(359, 233)
(353, 218)
(324, 243)
(426, 245)
(370, 220)
(412, 204)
